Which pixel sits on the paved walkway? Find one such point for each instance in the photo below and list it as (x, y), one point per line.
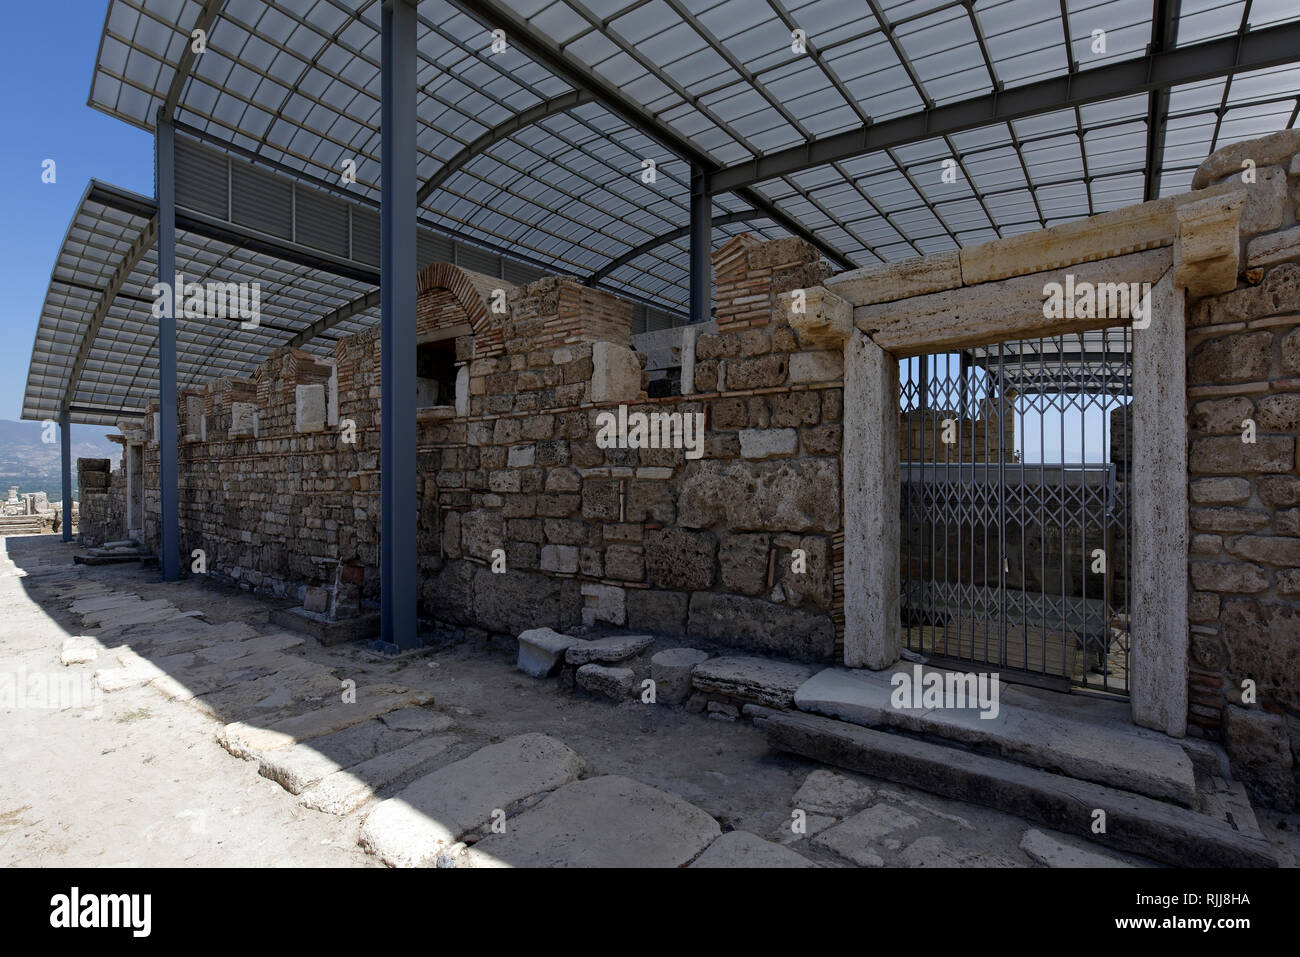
(188, 730)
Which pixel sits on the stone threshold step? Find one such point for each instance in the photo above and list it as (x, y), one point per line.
(1135, 824)
(322, 629)
(1084, 738)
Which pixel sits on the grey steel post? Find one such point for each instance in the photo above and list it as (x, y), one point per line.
(169, 549)
(65, 452)
(398, 563)
(701, 246)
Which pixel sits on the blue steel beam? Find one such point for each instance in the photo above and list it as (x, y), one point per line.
(701, 246)
(398, 562)
(65, 452)
(169, 550)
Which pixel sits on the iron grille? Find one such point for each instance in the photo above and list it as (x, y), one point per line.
(1015, 521)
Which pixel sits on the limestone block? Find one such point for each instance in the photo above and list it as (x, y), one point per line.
(1268, 150)
(899, 280)
(616, 684)
(768, 443)
(560, 558)
(608, 651)
(462, 388)
(603, 603)
(541, 651)
(243, 419)
(825, 366)
(1274, 248)
(819, 317)
(616, 373)
(1257, 743)
(671, 672)
(1206, 247)
(310, 408)
(756, 680)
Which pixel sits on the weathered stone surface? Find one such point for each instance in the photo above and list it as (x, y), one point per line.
(1277, 550)
(1231, 359)
(1052, 851)
(625, 562)
(1276, 148)
(342, 792)
(1229, 577)
(1273, 248)
(309, 408)
(1277, 294)
(768, 443)
(744, 849)
(608, 821)
(298, 767)
(743, 561)
(818, 317)
(1279, 413)
(560, 558)
(857, 837)
(829, 792)
(1262, 639)
(541, 651)
(512, 602)
(1206, 245)
(1221, 416)
(793, 495)
(78, 650)
(1220, 491)
(934, 851)
(761, 626)
(616, 374)
(656, 610)
(1228, 455)
(826, 366)
(603, 603)
(410, 829)
(608, 650)
(671, 671)
(1258, 744)
(247, 740)
(757, 680)
(680, 559)
(243, 419)
(617, 684)
(899, 280)
(760, 372)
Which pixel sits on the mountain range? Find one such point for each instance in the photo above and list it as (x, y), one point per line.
(35, 466)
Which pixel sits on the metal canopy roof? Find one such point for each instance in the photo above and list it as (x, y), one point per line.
(1042, 128)
(537, 151)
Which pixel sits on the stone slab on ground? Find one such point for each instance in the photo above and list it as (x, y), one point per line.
(607, 651)
(757, 680)
(298, 767)
(1136, 824)
(342, 792)
(829, 792)
(608, 821)
(245, 740)
(1051, 851)
(743, 849)
(357, 628)
(616, 684)
(860, 836)
(431, 814)
(934, 852)
(542, 650)
(671, 670)
(1120, 755)
(234, 650)
(78, 650)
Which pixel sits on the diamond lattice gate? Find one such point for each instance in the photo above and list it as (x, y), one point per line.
(1015, 535)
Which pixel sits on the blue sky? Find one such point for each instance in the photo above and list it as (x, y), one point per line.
(47, 52)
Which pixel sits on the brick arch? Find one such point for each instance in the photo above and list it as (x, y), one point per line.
(447, 294)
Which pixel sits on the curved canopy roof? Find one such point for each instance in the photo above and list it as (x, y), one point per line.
(878, 129)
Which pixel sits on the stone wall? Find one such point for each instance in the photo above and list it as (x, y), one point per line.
(1243, 393)
(101, 511)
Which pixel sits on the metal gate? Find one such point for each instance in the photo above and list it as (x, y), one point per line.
(1015, 531)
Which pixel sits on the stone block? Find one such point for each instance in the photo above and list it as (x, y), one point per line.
(755, 680)
(1276, 148)
(743, 561)
(671, 672)
(560, 558)
(243, 419)
(608, 651)
(680, 559)
(761, 626)
(825, 366)
(768, 443)
(1259, 747)
(819, 318)
(656, 610)
(603, 603)
(616, 374)
(617, 684)
(1206, 247)
(1273, 248)
(541, 651)
(309, 408)
(899, 280)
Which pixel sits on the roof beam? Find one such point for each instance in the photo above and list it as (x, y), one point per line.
(135, 252)
(654, 242)
(202, 22)
(1164, 36)
(494, 14)
(558, 104)
(1254, 50)
(346, 311)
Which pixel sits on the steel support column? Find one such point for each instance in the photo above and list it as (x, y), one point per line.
(169, 549)
(397, 306)
(701, 246)
(65, 453)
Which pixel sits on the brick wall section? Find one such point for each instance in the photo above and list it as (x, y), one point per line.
(1243, 365)
(748, 275)
(448, 296)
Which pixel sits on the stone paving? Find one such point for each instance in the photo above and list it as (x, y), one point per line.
(448, 758)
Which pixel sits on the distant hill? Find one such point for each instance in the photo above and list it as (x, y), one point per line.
(34, 466)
